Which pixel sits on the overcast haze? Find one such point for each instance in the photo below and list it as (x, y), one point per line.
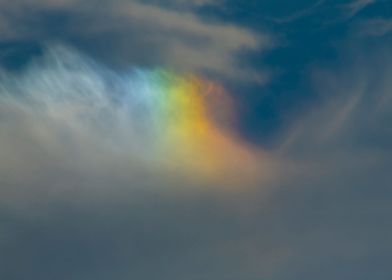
(203, 139)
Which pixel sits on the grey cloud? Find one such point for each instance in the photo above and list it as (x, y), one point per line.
(377, 27)
(136, 33)
(356, 103)
(344, 150)
(301, 14)
(328, 219)
(355, 6)
(187, 4)
(85, 211)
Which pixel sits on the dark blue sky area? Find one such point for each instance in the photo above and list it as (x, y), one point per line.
(308, 34)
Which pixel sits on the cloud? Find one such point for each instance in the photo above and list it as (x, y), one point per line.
(136, 33)
(343, 145)
(84, 193)
(67, 114)
(87, 156)
(300, 14)
(348, 132)
(188, 4)
(377, 27)
(78, 202)
(356, 6)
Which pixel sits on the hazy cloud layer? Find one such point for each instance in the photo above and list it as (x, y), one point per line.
(85, 211)
(84, 194)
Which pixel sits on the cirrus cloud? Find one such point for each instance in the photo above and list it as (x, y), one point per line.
(136, 33)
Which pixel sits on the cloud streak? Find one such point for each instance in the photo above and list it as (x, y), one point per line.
(175, 39)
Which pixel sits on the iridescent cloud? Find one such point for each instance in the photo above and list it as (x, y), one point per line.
(178, 123)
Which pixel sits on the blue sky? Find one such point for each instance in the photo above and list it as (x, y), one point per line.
(310, 83)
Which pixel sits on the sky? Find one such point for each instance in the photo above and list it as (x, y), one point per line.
(195, 139)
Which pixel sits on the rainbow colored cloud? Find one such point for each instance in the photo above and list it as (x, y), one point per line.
(165, 121)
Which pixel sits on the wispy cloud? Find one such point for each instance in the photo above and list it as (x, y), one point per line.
(137, 33)
(67, 113)
(356, 6)
(377, 27)
(300, 14)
